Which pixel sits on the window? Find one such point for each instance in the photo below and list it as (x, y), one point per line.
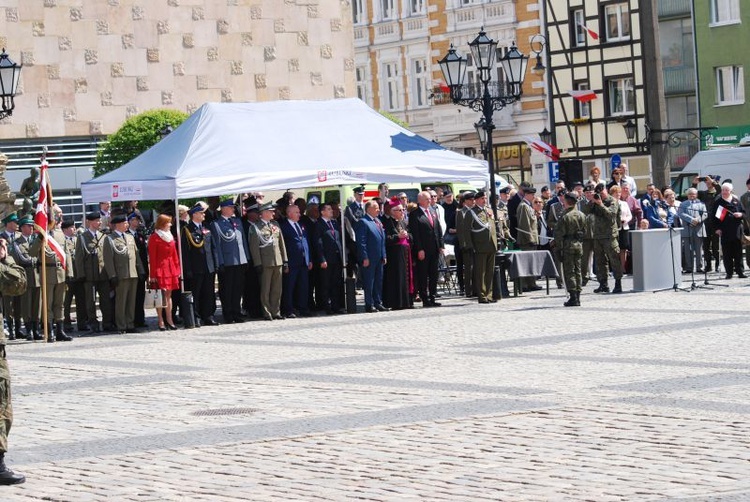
(582, 110)
(617, 22)
(730, 85)
(725, 11)
(419, 83)
(621, 96)
(500, 77)
(578, 24)
(387, 9)
(358, 9)
(391, 88)
(363, 83)
(416, 7)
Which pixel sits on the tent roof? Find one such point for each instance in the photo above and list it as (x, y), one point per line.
(228, 148)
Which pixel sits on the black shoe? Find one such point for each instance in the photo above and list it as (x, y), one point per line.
(8, 477)
(171, 327)
(728, 276)
(618, 287)
(197, 323)
(382, 308)
(131, 330)
(699, 271)
(240, 319)
(279, 317)
(533, 288)
(162, 328)
(210, 321)
(370, 310)
(291, 315)
(741, 276)
(602, 289)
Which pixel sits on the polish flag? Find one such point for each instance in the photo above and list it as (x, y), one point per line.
(721, 213)
(584, 96)
(40, 216)
(550, 151)
(591, 32)
(57, 249)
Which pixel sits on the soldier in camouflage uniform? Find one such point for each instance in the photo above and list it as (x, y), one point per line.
(481, 230)
(569, 232)
(606, 211)
(588, 237)
(10, 276)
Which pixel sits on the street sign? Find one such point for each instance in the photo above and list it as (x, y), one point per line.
(554, 171)
(615, 161)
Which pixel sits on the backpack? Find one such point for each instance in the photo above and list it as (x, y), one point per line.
(12, 279)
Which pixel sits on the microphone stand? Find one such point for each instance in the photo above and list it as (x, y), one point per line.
(676, 286)
(705, 268)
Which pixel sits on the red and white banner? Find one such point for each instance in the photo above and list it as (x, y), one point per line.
(40, 217)
(721, 213)
(591, 32)
(58, 250)
(584, 96)
(550, 151)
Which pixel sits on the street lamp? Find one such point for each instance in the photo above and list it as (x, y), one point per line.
(9, 74)
(482, 135)
(546, 136)
(630, 131)
(483, 50)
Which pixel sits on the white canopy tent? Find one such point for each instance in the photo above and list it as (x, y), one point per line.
(226, 148)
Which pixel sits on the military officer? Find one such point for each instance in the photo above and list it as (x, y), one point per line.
(464, 243)
(54, 278)
(123, 266)
(231, 260)
(269, 256)
(10, 275)
(198, 263)
(89, 263)
(606, 211)
(135, 224)
(352, 214)
(569, 231)
(527, 231)
(75, 288)
(30, 300)
(481, 231)
(11, 304)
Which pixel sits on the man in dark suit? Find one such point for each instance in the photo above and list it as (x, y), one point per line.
(134, 227)
(329, 258)
(295, 280)
(427, 246)
(513, 204)
(371, 256)
(199, 265)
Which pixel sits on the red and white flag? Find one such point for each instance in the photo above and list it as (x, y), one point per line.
(550, 151)
(591, 32)
(584, 95)
(40, 216)
(721, 213)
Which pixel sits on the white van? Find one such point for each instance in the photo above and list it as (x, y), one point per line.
(728, 163)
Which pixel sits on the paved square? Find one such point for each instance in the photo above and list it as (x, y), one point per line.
(629, 397)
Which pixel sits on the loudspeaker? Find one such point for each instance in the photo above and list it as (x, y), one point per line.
(571, 171)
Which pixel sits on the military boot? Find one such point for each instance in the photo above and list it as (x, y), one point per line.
(8, 477)
(17, 323)
(60, 334)
(11, 331)
(29, 330)
(572, 300)
(603, 288)
(36, 326)
(578, 298)
(50, 333)
(618, 286)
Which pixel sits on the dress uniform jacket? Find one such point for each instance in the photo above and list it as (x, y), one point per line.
(89, 264)
(528, 227)
(122, 261)
(481, 235)
(231, 258)
(199, 266)
(268, 252)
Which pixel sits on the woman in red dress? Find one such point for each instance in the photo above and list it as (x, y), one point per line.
(164, 267)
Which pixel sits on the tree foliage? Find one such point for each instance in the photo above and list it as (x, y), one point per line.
(393, 118)
(137, 134)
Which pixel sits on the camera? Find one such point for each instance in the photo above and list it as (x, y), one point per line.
(597, 196)
(598, 188)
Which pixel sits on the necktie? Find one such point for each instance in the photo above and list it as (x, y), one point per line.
(429, 217)
(330, 225)
(298, 229)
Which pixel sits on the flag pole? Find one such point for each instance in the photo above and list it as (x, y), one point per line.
(43, 258)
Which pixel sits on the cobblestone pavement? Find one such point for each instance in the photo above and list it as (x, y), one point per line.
(630, 397)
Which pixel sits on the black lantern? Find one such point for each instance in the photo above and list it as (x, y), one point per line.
(453, 66)
(481, 134)
(514, 65)
(630, 131)
(9, 75)
(546, 136)
(483, 49)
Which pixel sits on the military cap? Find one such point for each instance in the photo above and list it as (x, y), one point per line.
(198, 208)
(251, 203)
(545, 188)
(268, 206)
(480, 194)
(26, 220)
(588, 187)
(529, 190)
(359, 189)
(133, 215)
(67, 224)
(447, 193)
(9, 218)
(94, 215)
(227, 203)
(505, 189)
(571, 197)
(118, 218)
(577, 184)
(524, 185)
(469, 195)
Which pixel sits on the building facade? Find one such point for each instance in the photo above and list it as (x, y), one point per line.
(88, 65)
(397, 46)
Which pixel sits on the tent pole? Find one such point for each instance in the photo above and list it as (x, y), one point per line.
(179, 243)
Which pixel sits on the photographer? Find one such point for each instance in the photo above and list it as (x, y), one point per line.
(606, 212)
(711, 242)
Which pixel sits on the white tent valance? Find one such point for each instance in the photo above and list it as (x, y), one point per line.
(228, 148)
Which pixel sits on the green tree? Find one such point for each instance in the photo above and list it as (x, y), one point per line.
(137, 134)
(393, 118)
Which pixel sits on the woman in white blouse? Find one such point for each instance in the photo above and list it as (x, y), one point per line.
(623, 238)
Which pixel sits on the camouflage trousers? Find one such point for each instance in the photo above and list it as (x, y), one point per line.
(607, 256)
(571, 265)
(6, 410)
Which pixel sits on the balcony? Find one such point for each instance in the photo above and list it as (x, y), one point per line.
(673, 8)
(679, 80)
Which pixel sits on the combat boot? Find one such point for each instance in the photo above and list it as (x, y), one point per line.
(8, 477)
(11, 331)
(618, 286)
(60, 334)
(35, 326)
(19, 333)
(29, 330)
(578, 298)
(572, 300)
(603, 288)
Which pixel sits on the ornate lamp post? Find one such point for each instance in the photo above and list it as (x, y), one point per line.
(483, 51)
(9, 74)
